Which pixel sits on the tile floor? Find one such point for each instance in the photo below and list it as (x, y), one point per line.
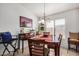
(63, 52)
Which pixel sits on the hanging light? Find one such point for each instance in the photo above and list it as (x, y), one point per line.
(44, 11)
(44, 19)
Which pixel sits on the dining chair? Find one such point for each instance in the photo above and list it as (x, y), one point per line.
(73, 39)
(59, 39)
(37, 48)
(8, 40)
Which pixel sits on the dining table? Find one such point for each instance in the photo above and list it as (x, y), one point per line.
(51, 41)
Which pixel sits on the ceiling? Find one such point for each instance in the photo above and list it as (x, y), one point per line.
(50, 8)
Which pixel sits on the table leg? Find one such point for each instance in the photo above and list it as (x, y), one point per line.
(18, 43)
(57, 50)
(22, 46)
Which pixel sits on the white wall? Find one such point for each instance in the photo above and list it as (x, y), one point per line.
(72, 22)
(9, 18)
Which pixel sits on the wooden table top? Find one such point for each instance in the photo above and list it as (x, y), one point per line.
(49, 38)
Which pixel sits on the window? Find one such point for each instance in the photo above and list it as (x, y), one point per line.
(59, 22)
(50, 24)
(60, 27)
(57, 25)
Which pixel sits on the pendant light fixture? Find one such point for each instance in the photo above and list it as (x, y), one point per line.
(44, 19)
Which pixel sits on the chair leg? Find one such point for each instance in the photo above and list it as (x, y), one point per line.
(68, 46)
(48, 52)
(76, 48)
(22, 46)
(14, 49)
(3, 52)
(7, 48)
(5, 45)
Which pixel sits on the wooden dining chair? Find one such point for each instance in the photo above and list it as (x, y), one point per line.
(37, 48)
(73, 39)
(60, 40)
(50, 46)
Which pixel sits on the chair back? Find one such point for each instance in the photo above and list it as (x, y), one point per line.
(73, 35)
(60, 39)
(36, 47)
(6, 37)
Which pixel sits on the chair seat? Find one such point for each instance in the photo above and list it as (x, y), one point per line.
(51, 46)
(74, 40)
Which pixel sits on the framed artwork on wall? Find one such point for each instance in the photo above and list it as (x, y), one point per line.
(25, 22)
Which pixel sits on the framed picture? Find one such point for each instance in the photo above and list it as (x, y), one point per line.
(25, 22)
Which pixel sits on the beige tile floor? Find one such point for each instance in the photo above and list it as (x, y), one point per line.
(63, 52)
